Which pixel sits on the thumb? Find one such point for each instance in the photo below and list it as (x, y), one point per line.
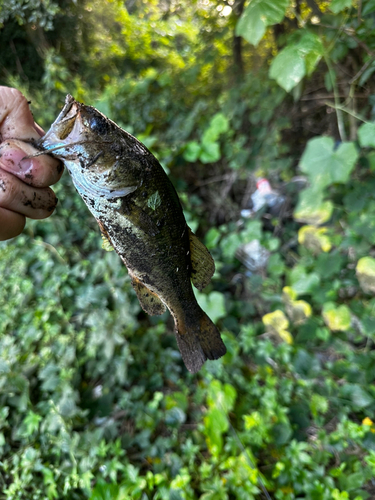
(16, 119)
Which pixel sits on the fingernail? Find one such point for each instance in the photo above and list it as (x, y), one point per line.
(14, 159)
(25, 164)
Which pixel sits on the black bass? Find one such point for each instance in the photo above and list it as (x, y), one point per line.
(138, 211)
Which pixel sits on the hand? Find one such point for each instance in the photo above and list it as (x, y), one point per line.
(24, 182)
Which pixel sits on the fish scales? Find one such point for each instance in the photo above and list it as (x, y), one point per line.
(139, 212)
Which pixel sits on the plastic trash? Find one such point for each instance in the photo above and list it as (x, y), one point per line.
(253, 255)
(265, 196)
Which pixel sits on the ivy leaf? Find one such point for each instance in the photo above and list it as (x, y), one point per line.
(366, 135)
(366, 274)
(276, 322)
(257, 16)
(314, 238)
(311, 208)
(339, 5)
(336, 318)
(326, 165)
(297, 60)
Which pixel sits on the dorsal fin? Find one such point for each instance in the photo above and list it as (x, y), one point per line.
(203, 265)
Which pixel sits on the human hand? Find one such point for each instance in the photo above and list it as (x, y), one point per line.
(24, 182)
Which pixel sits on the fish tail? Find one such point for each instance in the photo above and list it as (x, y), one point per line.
(198, 339)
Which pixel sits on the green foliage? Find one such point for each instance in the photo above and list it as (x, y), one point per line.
(94, 399)
(258, 15)
(326, 165)
(298, 59)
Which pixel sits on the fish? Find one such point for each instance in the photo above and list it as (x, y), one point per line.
(139, 213)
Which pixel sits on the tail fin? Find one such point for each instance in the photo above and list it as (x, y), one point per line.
(198, 339)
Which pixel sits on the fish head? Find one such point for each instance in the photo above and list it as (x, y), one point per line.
(89, 145)
(77, 128)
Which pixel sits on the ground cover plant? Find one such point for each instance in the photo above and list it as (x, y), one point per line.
(94, 399)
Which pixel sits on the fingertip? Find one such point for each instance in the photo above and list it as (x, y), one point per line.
(11, 224)
(16, 119)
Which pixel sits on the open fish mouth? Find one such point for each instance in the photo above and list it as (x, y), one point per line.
(66, 129)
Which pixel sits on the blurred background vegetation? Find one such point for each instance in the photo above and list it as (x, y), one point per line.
(94, 399)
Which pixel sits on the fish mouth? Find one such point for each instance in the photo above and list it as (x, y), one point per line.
(60, 133)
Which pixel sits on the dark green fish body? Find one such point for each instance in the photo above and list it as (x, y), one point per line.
(138, 211)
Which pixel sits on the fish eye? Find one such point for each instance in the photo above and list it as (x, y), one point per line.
(98, 124)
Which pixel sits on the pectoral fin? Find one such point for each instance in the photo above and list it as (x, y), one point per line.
(149, 301)
(139, 217)
(203, 265)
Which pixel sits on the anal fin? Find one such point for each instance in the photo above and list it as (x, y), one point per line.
(203, 265)
(149, 301)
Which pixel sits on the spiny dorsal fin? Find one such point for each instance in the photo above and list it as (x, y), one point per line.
(203, 265)
(149, 301)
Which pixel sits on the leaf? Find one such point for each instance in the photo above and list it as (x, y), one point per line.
(288, 68)
(359, 396)
(311, 208)
(210, 152)
(326, 165)
(303, 283)
(366, 135)
(212, 238)
(339, 5)
(106, 244)
(221, 395)
(336, 318)
(219, 125)
(192, 151)
(257, 16)
(366, 274)
(154, 201)
(277, 322)
(297, 310)
(368, 7)
(213, 304)
(314, 238)
(297, 60)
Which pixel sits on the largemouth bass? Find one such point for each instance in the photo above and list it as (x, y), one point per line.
(138, 211)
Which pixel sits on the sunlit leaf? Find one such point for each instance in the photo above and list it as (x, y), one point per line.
(366, 274)
(311, 208)
(337, 318)
(314, 238)
(257, 16)
(296, 60)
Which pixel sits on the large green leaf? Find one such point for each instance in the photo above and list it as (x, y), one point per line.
(339, 5)
(257, 16)
(297, 60)
(326, 165)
